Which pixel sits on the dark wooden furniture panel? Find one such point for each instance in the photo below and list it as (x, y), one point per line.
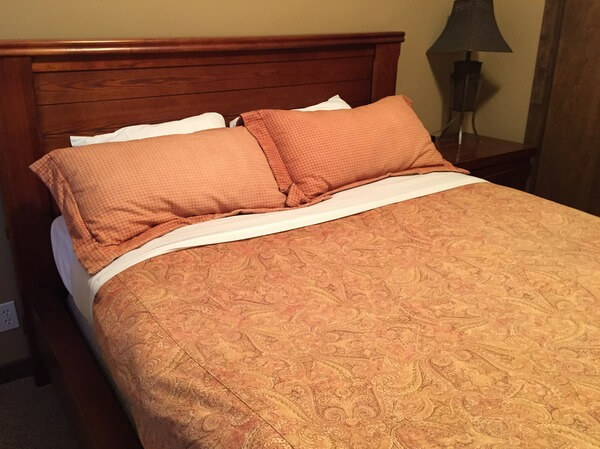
(595, 193)
(384, 70)
(544, 71)
(496, 160)
(78, 62)
(569, 165)
(73, 87)
(511, 174)
(51, 89)
(26, 204)
(84, 117)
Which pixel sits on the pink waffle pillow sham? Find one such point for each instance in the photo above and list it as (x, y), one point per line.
(313, 154)
(117, 196)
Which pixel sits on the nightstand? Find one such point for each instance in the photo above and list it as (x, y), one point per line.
(499, 161)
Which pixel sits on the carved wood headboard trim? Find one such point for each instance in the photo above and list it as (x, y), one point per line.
(181, 45)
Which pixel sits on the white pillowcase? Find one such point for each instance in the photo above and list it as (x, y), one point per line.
(332, 104)
(188, 125)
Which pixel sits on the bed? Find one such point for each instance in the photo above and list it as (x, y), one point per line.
(494, 343)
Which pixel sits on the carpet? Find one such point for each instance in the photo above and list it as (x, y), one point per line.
(32, 417)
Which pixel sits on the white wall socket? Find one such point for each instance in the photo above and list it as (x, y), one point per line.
(8, 316)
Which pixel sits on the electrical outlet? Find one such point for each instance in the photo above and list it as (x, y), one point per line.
(8, 316)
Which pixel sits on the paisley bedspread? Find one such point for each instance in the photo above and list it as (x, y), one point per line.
(469, 318)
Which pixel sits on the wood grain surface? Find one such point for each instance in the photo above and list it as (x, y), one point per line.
(82, 117)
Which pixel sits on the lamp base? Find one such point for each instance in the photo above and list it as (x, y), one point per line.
(465, 87)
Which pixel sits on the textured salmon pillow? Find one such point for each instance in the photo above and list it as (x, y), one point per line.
(118, 196)
(321, 152)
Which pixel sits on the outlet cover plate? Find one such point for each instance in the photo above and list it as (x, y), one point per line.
(8, 316)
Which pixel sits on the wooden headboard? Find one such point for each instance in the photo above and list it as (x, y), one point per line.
(52, 89)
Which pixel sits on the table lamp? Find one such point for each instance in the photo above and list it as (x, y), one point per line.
(471, 27)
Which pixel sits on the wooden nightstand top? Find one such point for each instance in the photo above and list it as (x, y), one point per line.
(488, 152)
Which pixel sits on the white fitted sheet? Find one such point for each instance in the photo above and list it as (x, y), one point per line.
(83, 287)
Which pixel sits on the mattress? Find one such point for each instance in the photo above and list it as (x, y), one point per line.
(464, 318)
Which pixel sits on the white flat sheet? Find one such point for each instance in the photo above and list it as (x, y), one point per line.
(83, 287)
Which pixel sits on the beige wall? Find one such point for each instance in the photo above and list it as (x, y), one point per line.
(425, 80)
(505, 114)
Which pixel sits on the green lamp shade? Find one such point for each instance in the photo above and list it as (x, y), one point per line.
(471, 27)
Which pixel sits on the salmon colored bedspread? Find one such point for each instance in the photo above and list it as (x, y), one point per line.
(465, 319)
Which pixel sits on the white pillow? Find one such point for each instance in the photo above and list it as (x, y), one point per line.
(188, 125)
(332, 104)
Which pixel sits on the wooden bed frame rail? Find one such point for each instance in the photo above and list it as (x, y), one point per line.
(52, 89)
